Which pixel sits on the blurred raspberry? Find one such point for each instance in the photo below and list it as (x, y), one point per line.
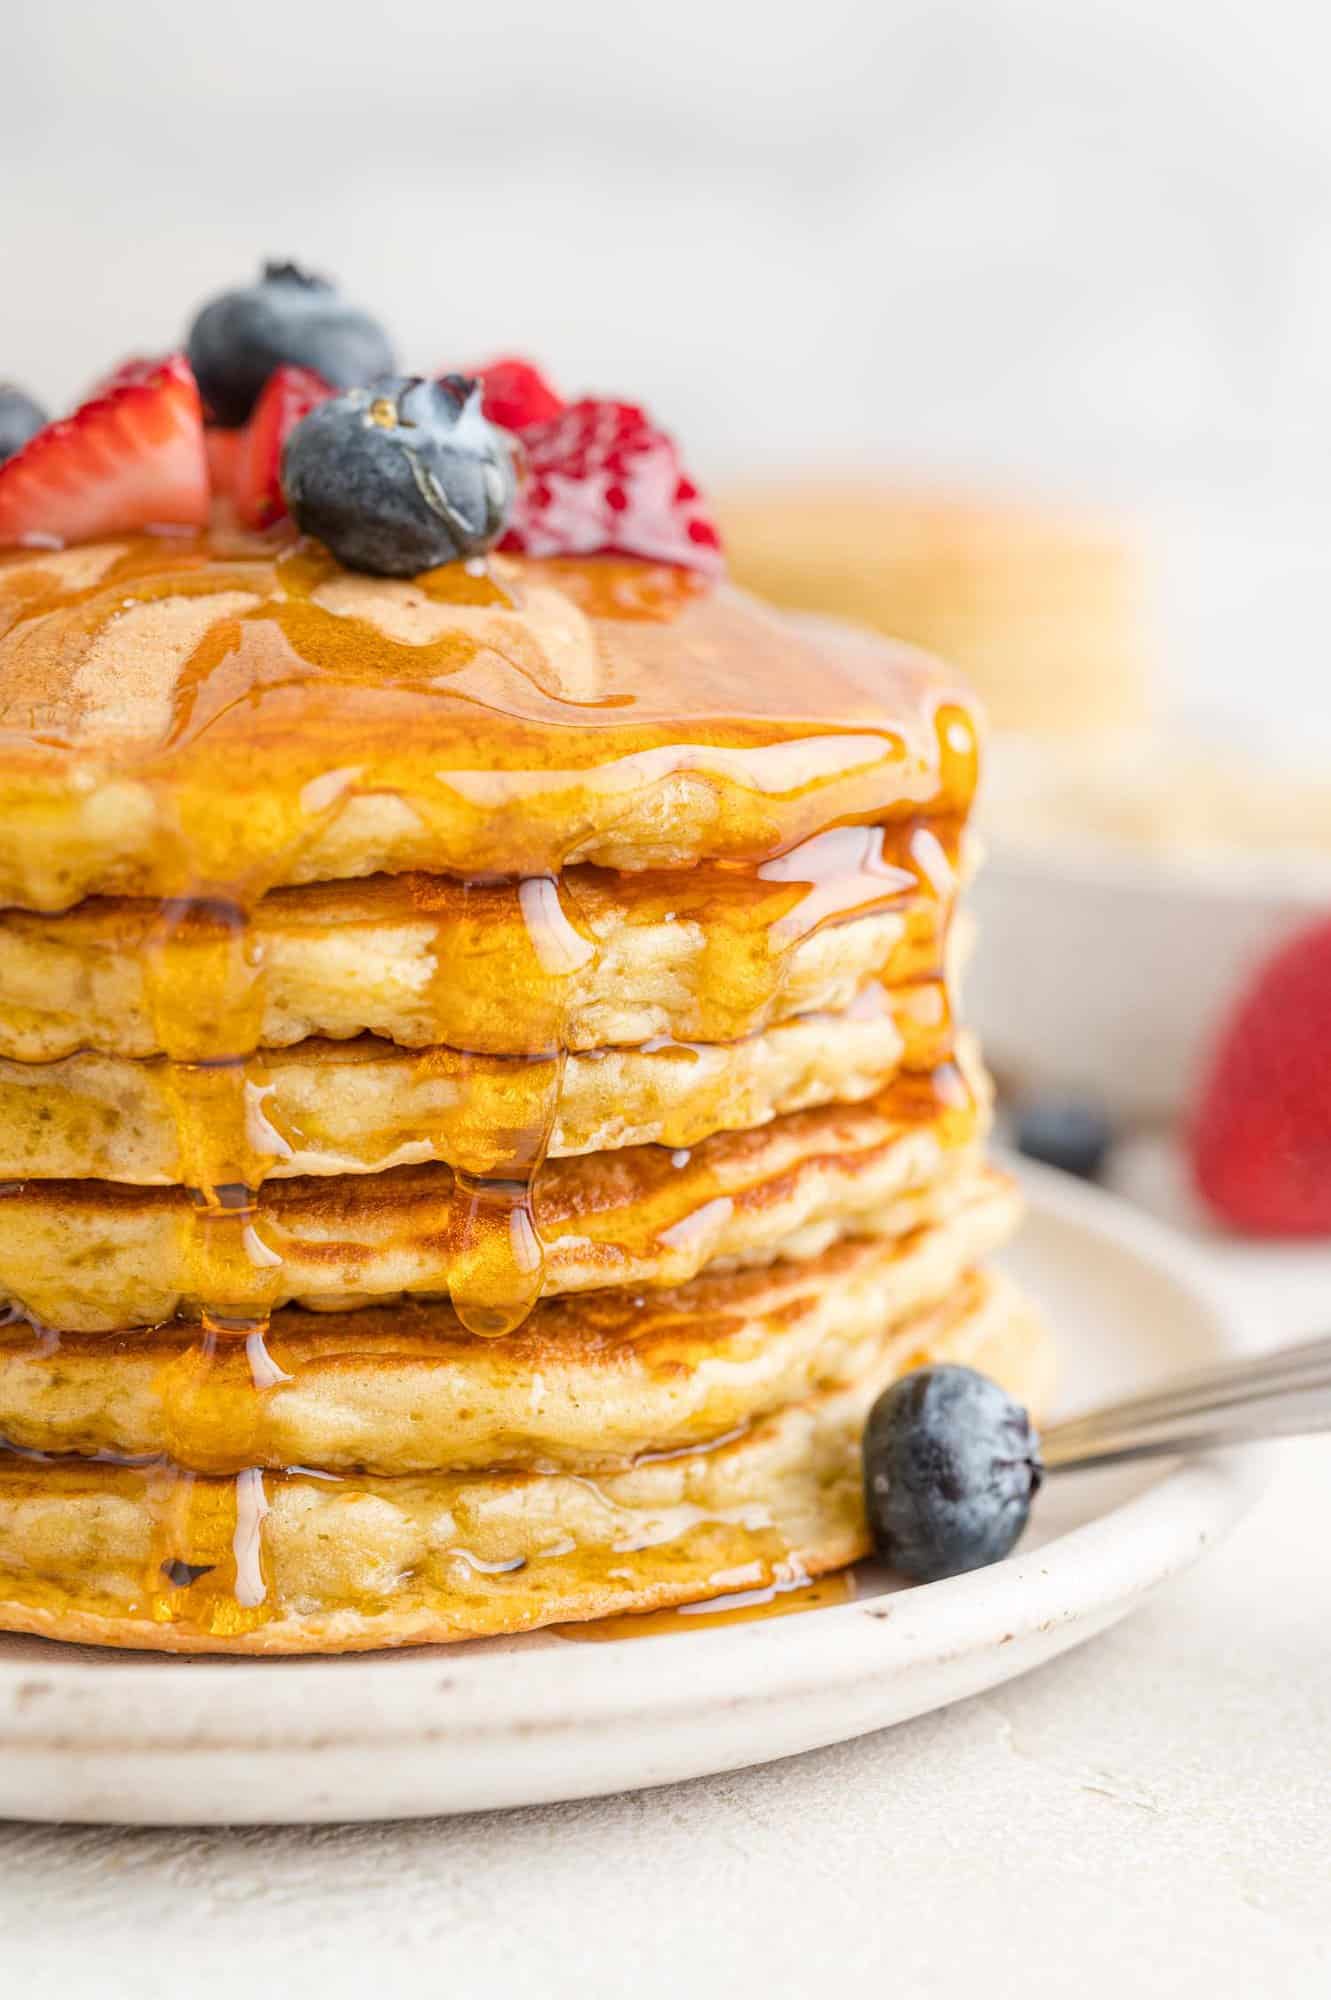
(515, 394)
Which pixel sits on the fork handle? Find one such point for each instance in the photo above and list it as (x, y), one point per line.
(1283, 1394)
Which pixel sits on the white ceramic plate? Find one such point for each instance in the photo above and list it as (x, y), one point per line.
(141, 1739)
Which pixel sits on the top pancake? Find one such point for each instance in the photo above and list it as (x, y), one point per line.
(223, 714)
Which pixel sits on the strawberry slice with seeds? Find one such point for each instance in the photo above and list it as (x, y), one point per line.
(604, 480)
(130, 458)
(515, 394)
(255, 472)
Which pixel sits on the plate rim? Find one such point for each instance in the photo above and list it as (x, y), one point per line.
(76, 1706)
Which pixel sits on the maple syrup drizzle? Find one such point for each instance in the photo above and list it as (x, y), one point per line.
(498, 1268)
(267, 662)
(204, 991)
(779, 1599)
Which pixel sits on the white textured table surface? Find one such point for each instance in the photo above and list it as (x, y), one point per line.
(1150, 1814)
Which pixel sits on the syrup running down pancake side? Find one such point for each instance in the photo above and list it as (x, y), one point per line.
(202, 723)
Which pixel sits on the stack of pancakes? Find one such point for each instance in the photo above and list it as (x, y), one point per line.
(481, 1115)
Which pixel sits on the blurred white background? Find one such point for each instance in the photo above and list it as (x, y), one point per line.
(1084, 245)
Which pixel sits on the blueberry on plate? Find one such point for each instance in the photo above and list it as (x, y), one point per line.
(951, 1465)
(237, 340)
(400, 476)
(1072, 1133)
(20, 419)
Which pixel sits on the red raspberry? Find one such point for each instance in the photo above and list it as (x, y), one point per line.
(1261, 1142)
(515, 394)
(603, 479)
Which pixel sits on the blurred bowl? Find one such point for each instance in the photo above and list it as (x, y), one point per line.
(1108, 974)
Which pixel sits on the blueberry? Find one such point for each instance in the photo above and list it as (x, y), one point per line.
(1072, 1133)
(237, 340)
(183, 1574)
(400, 476)
(20, 419)
(951, 1465)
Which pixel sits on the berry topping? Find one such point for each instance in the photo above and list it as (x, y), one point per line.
(515, 394)
(400, 476)
(20, 419)
(255, 481)
(951, 1465)
(222, 448)
(1071, 1133)
(237, 340)
(129, 459)
(135, 368)
(1261, 1140)
(605, 480)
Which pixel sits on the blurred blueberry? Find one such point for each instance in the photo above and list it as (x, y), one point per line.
(20, 419)
(288, 315)
(1071, 1133)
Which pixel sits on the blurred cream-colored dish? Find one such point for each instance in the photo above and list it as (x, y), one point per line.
(1121, 909)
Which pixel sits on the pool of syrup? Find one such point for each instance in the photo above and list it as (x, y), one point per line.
(736, 1607)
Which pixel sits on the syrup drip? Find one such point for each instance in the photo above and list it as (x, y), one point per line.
(498, 1269)
(289, 696)
(204, 989)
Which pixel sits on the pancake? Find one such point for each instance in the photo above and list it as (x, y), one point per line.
(90, 1255)
(589, 1382)
(223, 714)
(364, 1105)
(595, 961)
(288, 1563)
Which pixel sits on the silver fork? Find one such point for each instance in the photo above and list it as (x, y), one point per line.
(1283, 1394)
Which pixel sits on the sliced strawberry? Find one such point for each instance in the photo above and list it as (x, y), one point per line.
(129, 459)
(603, 479)
(515, 394)
(1261, 1140)
(289, 394)
(222, 447)
(136, 368)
